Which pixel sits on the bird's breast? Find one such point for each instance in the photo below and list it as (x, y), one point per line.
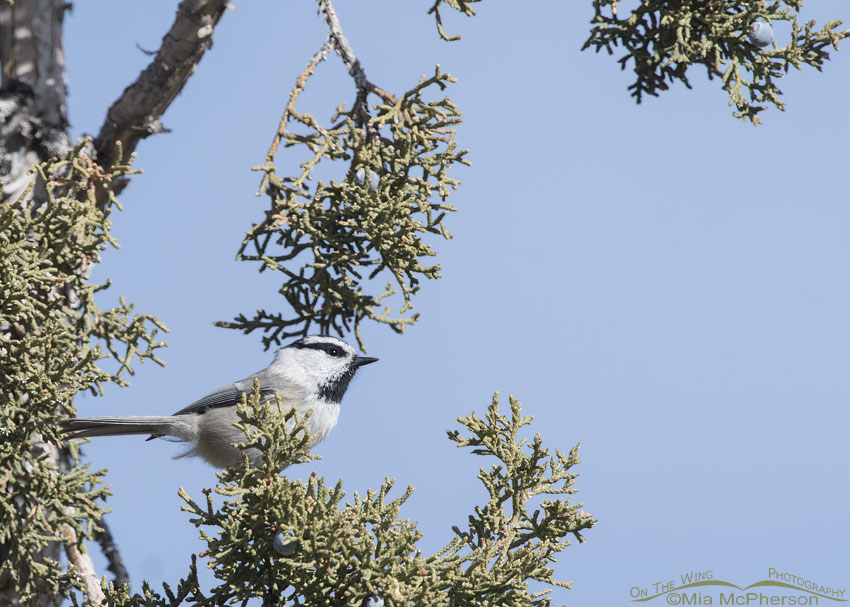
(322, 419)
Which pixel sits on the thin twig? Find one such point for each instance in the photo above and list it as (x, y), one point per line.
(341, 45)
(300, 82)
(346, 53)
(355, 70)
(338, 42)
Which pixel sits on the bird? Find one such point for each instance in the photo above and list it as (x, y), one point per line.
(311, 373)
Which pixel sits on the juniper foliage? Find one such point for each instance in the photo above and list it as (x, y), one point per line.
(53, 339)
(461, 6)
(336, 241)
(343, 550)
(663, 39)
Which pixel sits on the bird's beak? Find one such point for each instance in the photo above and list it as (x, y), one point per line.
(359, 361)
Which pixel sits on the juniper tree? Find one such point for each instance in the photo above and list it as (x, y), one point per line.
(392, 158)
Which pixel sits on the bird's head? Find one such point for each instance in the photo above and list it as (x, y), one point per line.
(321, 361)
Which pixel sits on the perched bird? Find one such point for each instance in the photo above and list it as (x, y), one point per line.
(311, 373)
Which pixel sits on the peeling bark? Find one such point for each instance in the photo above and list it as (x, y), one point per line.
(33, 116)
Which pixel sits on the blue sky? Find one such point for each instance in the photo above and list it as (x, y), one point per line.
(661, 283)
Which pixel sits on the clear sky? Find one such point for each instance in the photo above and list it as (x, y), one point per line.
(662, 283)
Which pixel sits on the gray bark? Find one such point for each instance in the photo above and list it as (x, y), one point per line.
(33, 116)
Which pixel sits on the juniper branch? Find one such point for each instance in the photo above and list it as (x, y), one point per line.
(663, 40)
(342, 549)
(331, 241)
(462, 6)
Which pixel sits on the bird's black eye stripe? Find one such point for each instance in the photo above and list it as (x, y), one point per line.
(330, 349)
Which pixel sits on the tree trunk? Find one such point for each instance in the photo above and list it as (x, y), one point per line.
(33, 127)
(33, 115)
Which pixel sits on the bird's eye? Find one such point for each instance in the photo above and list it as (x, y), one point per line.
(335, 352)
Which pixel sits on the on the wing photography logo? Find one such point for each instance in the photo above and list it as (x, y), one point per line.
(704, 588)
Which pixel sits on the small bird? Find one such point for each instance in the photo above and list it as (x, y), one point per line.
(312, 373)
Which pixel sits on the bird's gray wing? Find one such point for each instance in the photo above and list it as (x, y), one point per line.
(226, 396)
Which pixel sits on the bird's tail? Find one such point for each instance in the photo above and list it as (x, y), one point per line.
(155, 425)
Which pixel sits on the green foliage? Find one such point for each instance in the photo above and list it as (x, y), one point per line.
(664, 38)
(334, 241)
(506, 544)
(52, 337)
(345, 550)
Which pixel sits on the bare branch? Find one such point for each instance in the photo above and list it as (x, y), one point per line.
(340, 43)
(84, 565)
(110, 551)
(352, 63)
(300, 82)
(135, 115)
